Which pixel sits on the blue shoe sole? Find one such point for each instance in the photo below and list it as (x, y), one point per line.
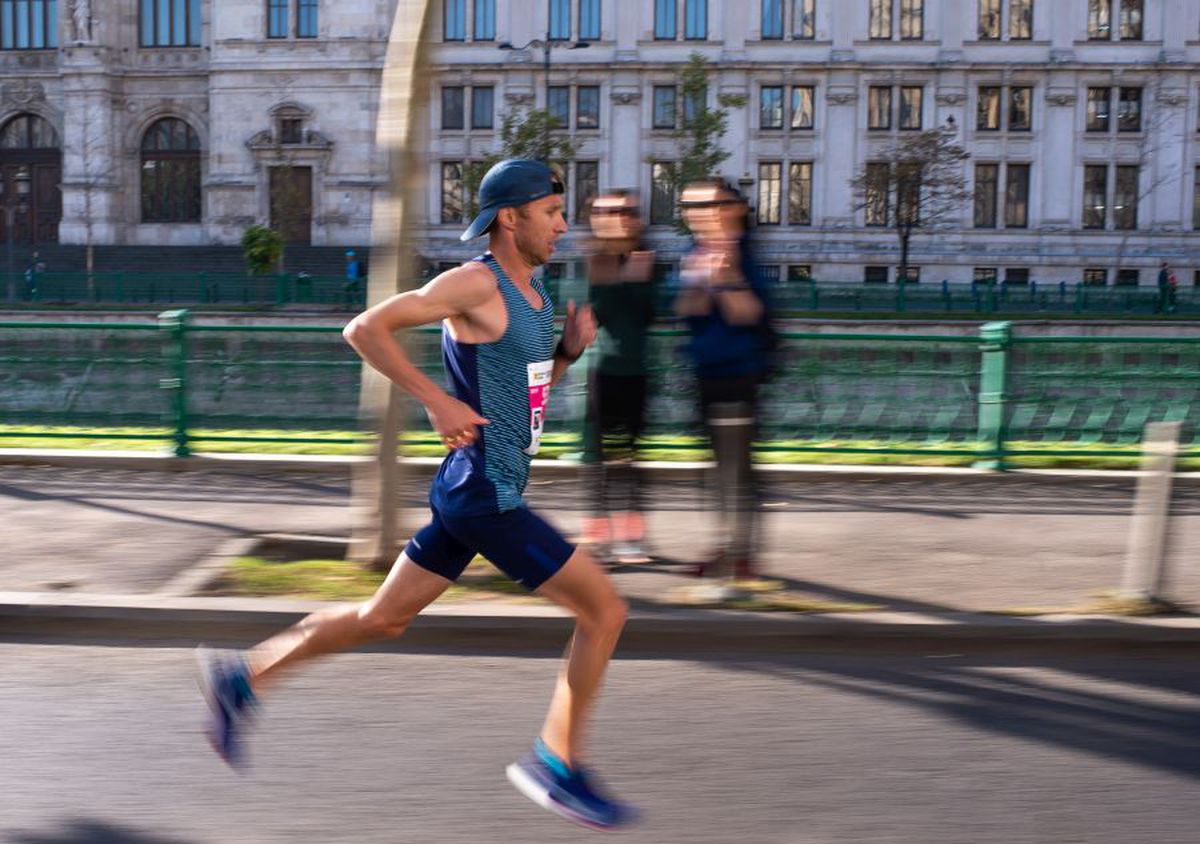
(536, 792)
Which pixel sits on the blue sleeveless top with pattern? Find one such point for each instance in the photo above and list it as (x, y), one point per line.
(508, 383)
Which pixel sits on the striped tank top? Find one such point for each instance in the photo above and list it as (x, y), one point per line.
(507, 382)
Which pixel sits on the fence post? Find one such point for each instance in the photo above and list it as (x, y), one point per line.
(995, 342)
(900, 303)
(1146, 555)
(173, 325)
(813, 300)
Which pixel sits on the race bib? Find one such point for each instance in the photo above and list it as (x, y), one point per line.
(540, 374)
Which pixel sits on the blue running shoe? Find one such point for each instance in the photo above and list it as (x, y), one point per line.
(225, 682)
(569, 793)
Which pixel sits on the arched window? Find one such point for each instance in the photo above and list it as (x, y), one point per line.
(28, 131)
(170, 173)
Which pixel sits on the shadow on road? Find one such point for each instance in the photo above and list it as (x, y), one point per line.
(90, 832)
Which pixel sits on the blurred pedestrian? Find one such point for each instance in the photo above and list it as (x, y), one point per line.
(621, 291)
(501, 359)
(723, 300)
(1168, 288)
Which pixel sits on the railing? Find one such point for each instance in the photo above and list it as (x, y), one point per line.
(987, 398)
(791, 297)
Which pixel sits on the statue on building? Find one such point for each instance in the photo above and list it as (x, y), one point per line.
(81, 18)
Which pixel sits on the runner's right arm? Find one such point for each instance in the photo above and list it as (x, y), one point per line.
(371, 334)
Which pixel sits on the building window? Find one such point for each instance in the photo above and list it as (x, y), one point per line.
(170, 23)
(1125, 199)
(558, 103)
(987, 109)
(1097, 109)
(483, 107)
(452, 107)
(1016, 275)
(587, 185)
(1131, 20)
(1196, 200)
(1095, 276)
(693, 104)
(277, 19)
(28, 25)
(1020, 20)
(1099, 20)
(1016, 196)
(587, 107)
(804, 20)
(912, 20)
(911, 98)
(800, 193)
(28, 131)
(912, 275)
(875, 275)
(454, 20)
(1020, 109)
(452, 192)
(589, 20)
(1095, 196)
(799, 272)
(1128, 278)
(291, 130)
(306, 18)
(170, 173)
(772, 19)
(560, 19)
(987, 179)
(989, 20)
(876, 205)
(665, 28)
(1129, 110)
(770, 112)
(485, 20)
(662, 197)
(880, 26)
(664, 106)
(984, 275)
(803, 115)
(770, 193)
(879, 107)
(695, 20)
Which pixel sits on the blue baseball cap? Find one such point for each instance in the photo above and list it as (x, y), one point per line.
(512, 182)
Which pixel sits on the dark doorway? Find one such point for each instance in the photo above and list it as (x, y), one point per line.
(29, 143)
(291, 203)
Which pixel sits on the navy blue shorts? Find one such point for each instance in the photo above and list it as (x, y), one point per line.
(518, 542)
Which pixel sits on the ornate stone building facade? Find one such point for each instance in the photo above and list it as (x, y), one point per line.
(181, 122)
(1082, 118)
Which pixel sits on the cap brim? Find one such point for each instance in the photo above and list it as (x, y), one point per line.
(479, 224)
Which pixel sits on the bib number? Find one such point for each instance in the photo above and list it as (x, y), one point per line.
(540, 374)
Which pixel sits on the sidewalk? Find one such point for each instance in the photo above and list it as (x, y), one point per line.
(927, 551)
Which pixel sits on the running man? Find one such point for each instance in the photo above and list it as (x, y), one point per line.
(500, 356)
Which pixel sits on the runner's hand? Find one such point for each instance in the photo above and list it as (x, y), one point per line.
(579, 330)
(455, 422)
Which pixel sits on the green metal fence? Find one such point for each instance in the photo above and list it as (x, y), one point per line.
(985, 397)
(792, 297)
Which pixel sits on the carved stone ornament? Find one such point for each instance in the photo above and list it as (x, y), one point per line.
(518, 99)
(81, 21)
(626, 97)
(1172, 97)
(1061, 96)
(954, 97)
(842, 95)
(23, 92)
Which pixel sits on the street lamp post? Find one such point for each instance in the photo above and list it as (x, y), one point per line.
(15, 202)
(545, 44)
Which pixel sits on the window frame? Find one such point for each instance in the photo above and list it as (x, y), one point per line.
(874, 110)
(1011, 100)
(1090, 209)
(192, 26)
(563, 92)
(994, 96)
(654, 107)
(39, 34)
(811, 111)
(912, 10)
(777, 20)
(1136, 127)
(987, 203)
(594, 15)
(1094, 121)
(1099, 20)
(449, 109)
(777, 109)
(459, 201)
(769, 210)
(1011, 202)
(993, 12)
(490, 111)
(313, 7)
(169, 176)
(460, 20)
(879, 20)
(660, 197)
(906, 108)
(593, 113)
(1125, 215)
(800, 173)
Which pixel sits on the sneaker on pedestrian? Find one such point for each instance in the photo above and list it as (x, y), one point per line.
(225, 682)
(630, 553)
(570, 793)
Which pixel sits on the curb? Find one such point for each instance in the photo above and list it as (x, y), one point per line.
(544, 469)
(484, 627)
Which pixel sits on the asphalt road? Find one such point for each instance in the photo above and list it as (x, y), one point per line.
(101, 744)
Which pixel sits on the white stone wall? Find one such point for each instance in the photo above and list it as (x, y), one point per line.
(842, 62)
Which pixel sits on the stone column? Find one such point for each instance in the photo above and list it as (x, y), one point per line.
(1057, 162)
(841, 111)
(625, 137)
(93, 163)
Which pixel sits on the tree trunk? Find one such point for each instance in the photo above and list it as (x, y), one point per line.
(376, 535)
(905, 235)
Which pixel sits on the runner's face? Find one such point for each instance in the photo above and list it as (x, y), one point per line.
(539, 226)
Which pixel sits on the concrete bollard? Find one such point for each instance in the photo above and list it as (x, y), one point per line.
(1145, 559)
